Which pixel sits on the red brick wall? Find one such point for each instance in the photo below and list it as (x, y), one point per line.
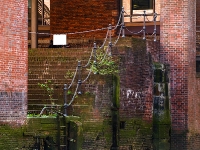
(198, 25)
(78, 15)
(177, 37)
(13, 47)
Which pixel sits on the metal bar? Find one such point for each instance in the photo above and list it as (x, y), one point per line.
(65, 99)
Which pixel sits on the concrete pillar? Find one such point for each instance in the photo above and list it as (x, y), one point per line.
(34, 23)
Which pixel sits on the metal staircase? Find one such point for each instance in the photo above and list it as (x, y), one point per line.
(45, 14)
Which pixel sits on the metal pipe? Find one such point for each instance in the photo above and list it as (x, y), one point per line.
(34, 23)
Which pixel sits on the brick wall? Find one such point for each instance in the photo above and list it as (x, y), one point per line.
(198, 26)
(95, 105)
(13, 47)
(77, 16)
(177, 43)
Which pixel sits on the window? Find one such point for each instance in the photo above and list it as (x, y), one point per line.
(198, 64)
(142, 4)
(122, 125)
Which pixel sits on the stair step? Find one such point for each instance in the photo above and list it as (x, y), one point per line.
(63, 145)
(63, 126)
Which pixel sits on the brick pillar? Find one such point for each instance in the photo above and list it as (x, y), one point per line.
(13, 60)
(177, 39)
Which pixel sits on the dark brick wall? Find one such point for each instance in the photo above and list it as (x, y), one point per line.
(76, 16)
(13, 47)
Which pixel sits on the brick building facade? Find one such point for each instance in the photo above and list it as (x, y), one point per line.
(171, 60)
(177, 50)
(14, 56)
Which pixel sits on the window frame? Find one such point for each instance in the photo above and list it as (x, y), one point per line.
(149, 6)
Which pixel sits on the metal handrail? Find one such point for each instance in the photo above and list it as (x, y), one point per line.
(44, 12)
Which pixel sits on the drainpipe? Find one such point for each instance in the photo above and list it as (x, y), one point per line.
(34, 23)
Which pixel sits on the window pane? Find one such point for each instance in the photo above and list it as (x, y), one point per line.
(142, 4)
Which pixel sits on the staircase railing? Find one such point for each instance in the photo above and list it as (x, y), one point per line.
(44, 11)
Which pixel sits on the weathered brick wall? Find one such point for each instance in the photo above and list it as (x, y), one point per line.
(136, 99)
(76, 16)
(95, 105)
(41, 133)
(13, 47)
(177, 43)
(198, 26)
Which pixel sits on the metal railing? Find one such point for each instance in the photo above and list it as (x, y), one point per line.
(44, 11)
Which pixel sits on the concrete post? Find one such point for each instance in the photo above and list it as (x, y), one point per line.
(34, 23)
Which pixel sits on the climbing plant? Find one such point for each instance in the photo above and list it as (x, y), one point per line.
(47, 86)
(105, 64)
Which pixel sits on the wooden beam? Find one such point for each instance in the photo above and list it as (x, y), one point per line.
(128, 24)
(40, 27)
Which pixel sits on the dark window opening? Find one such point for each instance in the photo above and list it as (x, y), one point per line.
(198, 64)
(142, 4)
(122, 124)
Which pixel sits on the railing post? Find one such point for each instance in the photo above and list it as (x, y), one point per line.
(155, 16)
(110, 32)
(65, 99)
(123, 26)
(144, 27)
(79, 78)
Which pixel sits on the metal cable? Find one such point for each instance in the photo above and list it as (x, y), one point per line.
(134, 32)
(73, 78)
(87, 76)
(118, 36)
(118, 21)
(89, 59)
(104, 40)
(73, 96)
